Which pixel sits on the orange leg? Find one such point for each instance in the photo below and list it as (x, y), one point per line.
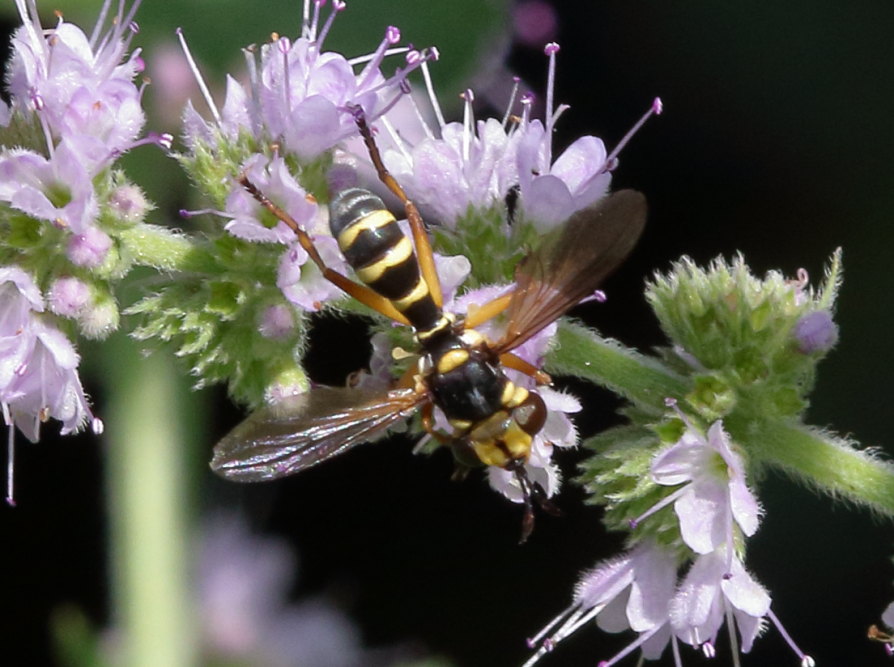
(478, 315)
(362, 293)
(417, 226)
(516, 363)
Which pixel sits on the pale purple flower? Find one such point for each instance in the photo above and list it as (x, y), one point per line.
(535, 22)
(631, 591)
(718, 588)
(714, 494)
(58, 190)
(277, 322)
(20, 299)
(816, 332)
(472, 164)
(242, 583)
(300, 95)
(46, 385)
(128, 204)
(68, 296)
(711, 590)
(888, 616)
(38, 364)
(550, 192)
(302, 282)
(251, 221)
(79, 86)
(88, 248)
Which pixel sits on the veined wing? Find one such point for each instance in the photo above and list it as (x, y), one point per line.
(308, 429)
(570, 265)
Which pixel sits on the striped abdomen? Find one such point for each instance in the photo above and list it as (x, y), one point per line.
(382, 255)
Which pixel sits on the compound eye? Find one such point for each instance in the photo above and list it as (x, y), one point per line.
(531, 415)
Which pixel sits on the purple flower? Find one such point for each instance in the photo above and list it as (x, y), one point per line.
(58, 190)
(242, 585)
(816, 332)
(38, 364)
(632, 591)
(299, 95)
(251, 221)
(80, 87)
(710, 592)
(551, 191)
(67, 297)
(472, 164)
(714, 494)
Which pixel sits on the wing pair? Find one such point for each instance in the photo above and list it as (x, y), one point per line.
(296, 434)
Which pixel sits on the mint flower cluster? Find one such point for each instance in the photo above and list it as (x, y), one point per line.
(74, 110)
(706, 415)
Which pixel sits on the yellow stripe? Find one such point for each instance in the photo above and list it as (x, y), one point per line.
(396, 254)
(452, 359)
(420, 291)
(373, 220)
(460, 424)
(514, 399)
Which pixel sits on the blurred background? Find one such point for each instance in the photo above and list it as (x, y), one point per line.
(776, 142)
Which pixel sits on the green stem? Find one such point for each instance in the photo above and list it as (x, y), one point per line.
(162, 248)
(581, 352)
(823, 462)
(148, 505)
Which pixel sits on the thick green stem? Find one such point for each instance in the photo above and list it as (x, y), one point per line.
(161, 248)
(149, 509)
(823, 462)
(580, 352)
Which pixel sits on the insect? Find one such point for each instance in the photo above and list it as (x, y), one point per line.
(493, 420)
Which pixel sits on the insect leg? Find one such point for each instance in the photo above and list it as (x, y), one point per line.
(516, 363)
(362, 293)
(417, 226)
(478, 315)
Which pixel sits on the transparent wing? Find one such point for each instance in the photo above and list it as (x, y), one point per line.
(571, 264)
(310, 428)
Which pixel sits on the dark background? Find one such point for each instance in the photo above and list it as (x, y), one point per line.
(776, 142)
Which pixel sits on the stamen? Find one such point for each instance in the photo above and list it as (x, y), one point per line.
(187, 214)
(468, 123)
(806, 660)
(533, 641)
(360, 60)
(100, 21)
(337, 7)
(10, 458)
(630, 648)
(426, 75)
(392, 37)
(203, 87)
(315, 21)
(305, 20)
(675, 649)
(731, 630)
(661, 504)
(527, 101)
(550, 50)
(31, 22)
(396, 137)
(656, 109)
(418, 112)
(708, 649)
(672, 403)
(509, 105)
(284, 45)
